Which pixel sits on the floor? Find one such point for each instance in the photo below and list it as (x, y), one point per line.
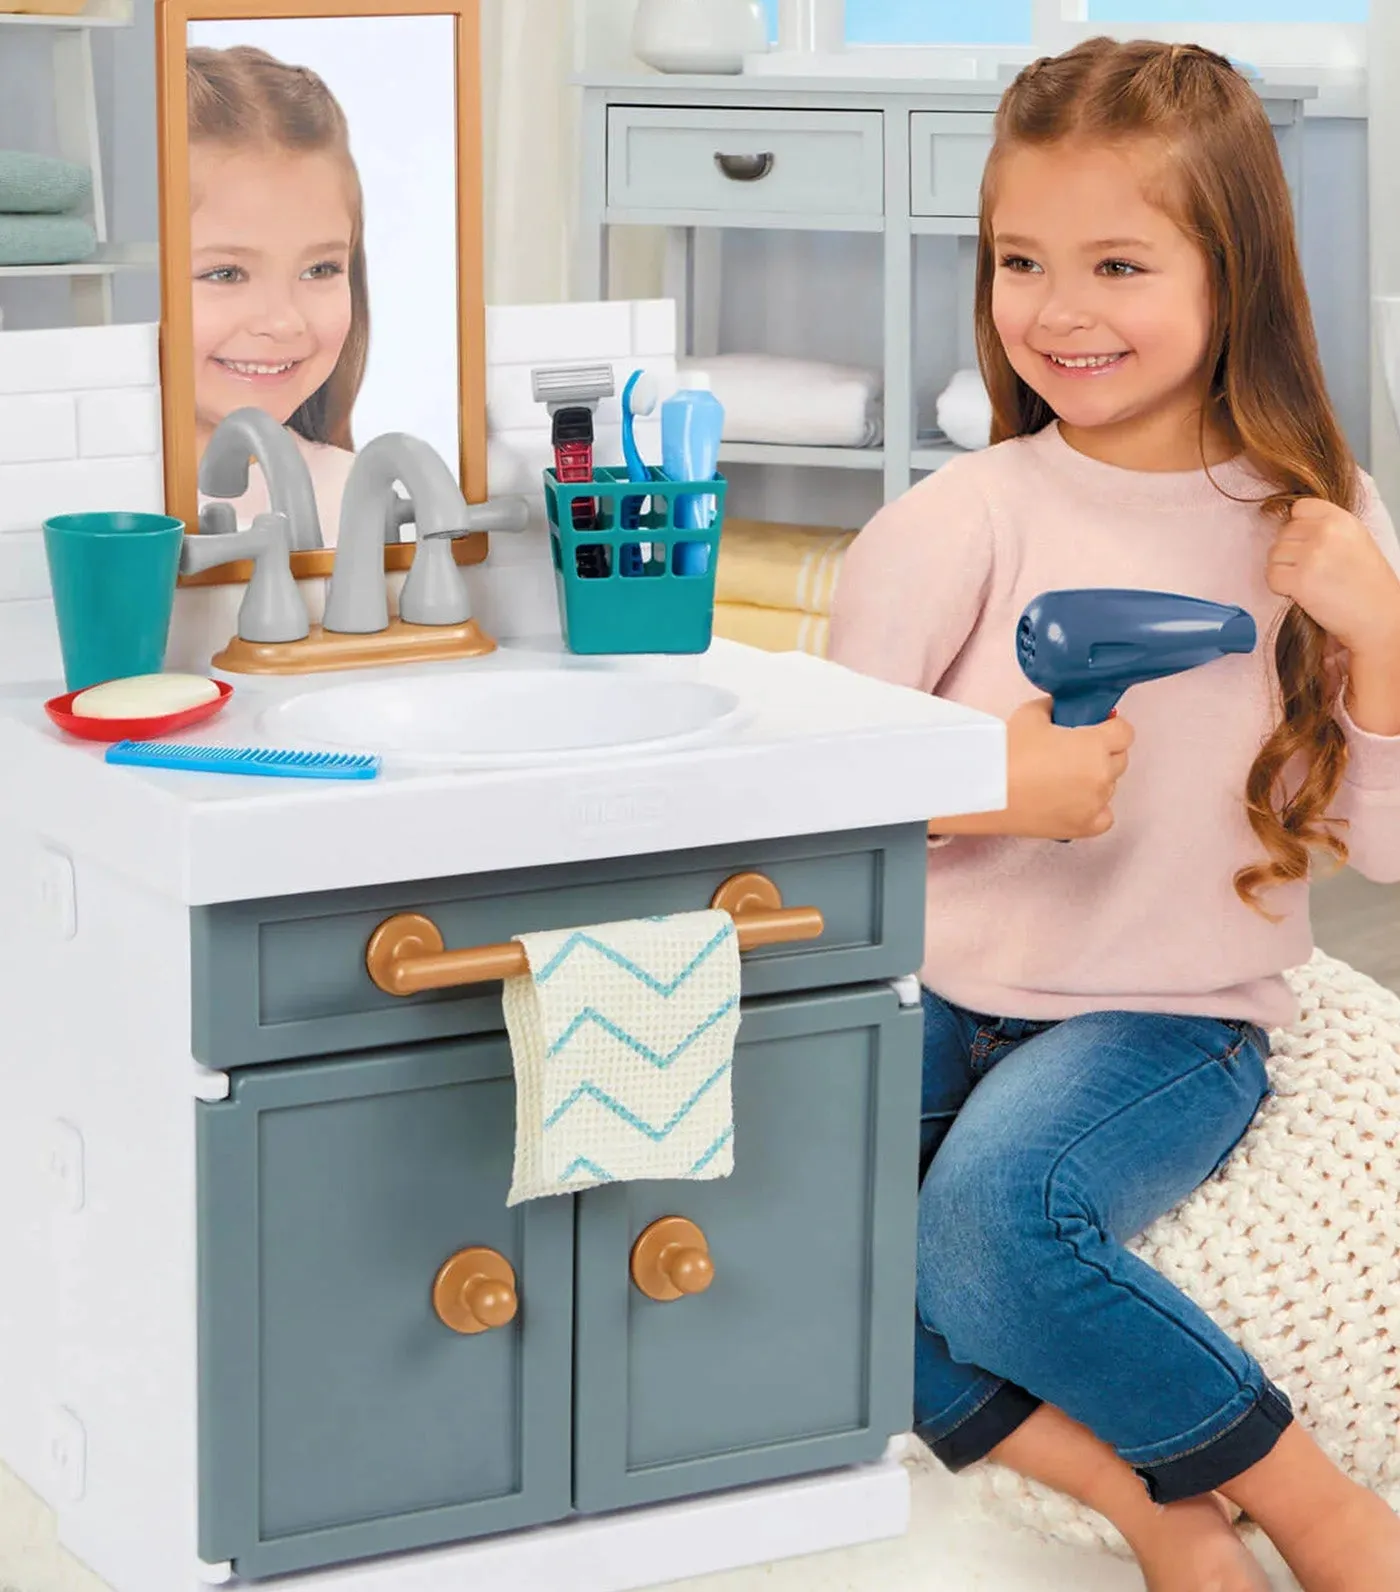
(951, 1546)
(1359, 922)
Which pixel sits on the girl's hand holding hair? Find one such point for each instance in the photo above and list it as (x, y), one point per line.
(1325, 560)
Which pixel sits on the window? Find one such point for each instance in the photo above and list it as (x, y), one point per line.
(1326, 36)
(942, 22)
(930, 21)
(1266, 11)
(1010, 21)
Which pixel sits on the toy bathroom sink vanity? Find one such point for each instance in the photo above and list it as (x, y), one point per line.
(266, 1316)
(234, 1164)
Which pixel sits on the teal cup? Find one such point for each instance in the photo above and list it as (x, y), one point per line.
(113, 579)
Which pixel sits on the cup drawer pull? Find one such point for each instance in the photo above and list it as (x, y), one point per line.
(406, 955)
(745, 168)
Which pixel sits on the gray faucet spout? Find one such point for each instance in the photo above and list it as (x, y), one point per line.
(357, 602)
(253, 433)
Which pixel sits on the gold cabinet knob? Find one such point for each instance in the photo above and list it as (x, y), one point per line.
(475, 1290)
(672, 1258)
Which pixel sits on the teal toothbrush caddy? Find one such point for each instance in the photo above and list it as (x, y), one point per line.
(634, 580)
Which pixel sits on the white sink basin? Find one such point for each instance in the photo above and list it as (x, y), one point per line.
(506, 718)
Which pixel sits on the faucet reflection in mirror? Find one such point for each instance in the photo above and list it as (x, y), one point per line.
(435, 611)
(321, 250)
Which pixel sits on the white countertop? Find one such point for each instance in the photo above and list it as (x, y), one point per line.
(820, 749)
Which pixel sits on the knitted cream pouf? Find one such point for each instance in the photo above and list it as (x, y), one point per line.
(1293, 1247)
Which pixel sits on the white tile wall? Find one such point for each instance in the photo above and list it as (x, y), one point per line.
(79, 359)
(80, 430)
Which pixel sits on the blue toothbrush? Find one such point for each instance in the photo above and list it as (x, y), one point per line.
(638, 398)
(244, 760)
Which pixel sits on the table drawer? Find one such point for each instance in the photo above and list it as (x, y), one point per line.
(741, 162)
(947, 151)
(285, 977)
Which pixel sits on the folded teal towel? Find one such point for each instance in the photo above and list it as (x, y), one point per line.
(40, 184)
(45, 240)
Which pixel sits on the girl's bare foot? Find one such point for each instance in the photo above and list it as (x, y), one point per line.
(1191, 1546)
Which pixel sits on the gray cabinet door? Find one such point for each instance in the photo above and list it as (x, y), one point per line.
(799, 1355)
(339, 1417)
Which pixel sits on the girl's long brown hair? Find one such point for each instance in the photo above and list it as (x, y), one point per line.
(1265, 392)
(243, 97)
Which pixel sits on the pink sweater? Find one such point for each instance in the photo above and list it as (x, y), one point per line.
(1145, 917)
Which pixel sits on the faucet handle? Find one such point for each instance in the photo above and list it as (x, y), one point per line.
(434, 592)
(497, 515)
(272, 609)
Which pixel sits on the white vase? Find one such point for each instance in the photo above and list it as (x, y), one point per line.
(698, 35)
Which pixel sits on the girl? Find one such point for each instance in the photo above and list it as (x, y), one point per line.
(1097, 1014)
(281, 310)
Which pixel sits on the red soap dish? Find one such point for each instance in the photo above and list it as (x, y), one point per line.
(59, 709)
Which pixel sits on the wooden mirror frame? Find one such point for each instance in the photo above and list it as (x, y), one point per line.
(176, 321)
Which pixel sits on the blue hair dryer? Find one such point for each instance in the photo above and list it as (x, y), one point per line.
(1086, 647)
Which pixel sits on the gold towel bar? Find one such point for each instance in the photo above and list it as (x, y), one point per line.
(405, 954)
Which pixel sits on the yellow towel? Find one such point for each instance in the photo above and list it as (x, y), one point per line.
(773, 629)
(779, 566)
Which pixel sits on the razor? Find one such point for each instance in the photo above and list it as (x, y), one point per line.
(571, 394)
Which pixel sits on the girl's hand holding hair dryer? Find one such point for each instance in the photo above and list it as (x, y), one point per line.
(1060, 782)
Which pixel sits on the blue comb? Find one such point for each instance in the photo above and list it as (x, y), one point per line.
(244, 760)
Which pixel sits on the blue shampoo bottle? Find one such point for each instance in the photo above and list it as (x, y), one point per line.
(692, 423)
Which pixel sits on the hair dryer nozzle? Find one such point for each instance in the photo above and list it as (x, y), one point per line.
(1238, 634)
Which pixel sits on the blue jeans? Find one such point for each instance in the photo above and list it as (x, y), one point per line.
(1046, 1147)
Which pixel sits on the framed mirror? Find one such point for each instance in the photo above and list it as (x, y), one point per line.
(321, 241)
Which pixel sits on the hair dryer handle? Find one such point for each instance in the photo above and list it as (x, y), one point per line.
(1090, 707)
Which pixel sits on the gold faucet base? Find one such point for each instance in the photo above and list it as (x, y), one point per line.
(328, 649)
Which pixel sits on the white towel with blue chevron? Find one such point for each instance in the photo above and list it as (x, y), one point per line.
(622, 1036)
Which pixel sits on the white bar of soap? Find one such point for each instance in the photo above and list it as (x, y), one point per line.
(144, 696)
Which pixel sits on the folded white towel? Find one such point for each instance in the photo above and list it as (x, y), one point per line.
(965, 410)
(622, 1036)
(797, 401)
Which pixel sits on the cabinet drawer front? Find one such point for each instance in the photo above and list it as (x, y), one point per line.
(821, 163)
(948, 150)
(339, 1416)
(799, 1355)
(277, 979)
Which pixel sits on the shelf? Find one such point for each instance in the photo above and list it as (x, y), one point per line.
(117, 17)
(95, 14)
(933, 456)
(110, 257)
(810, 458)
(944, 226)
